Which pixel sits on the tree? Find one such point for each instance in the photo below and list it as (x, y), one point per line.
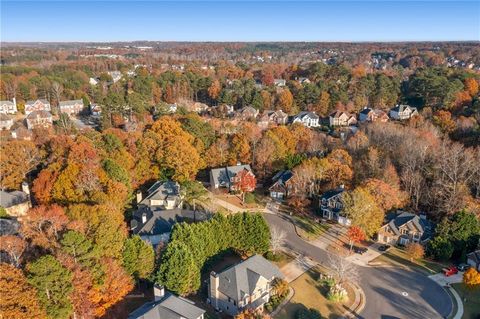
(386, 196)
(138, 257)
(443, 119)
(360, 206)
(14, 246)
(471, 278)
(54, 285)
(471, 86)
(18, 159)
(178, 271)
(285, 100)
(355, 235)
(194, 193)
(440, 248)
(277, 239)
(415, 251)
(244, 182)
(341, 269)
(214, 89)
(18, 299)
(78, 246)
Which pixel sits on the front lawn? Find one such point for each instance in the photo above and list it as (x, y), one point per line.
(398, 257)
(308, 228)
(471, 307)
(280, 258)
(311, 293)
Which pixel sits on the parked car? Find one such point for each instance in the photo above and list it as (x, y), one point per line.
(463, 267)
(384, 248)
(360, 250)
(452, 270)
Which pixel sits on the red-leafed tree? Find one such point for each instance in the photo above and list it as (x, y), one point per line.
(244, 182)
(355, 235)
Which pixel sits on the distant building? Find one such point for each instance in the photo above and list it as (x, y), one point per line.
(309, 119)
(339, 118)
(95, 109)
(93, 81)
(8, 107)
(273, 117)
(71, 107)
(37, 105)
(247, 113)
(403, 228)
(165, 195)
(403, 112)
(281, 185)
(20, 132)
(16, 203)
(332, 205)
(247, 285)
(6, 122)
(279, 82)
(167, 306)
(116, 75)
(224, 177)
(39, 119)
(372, 115)
(303, 80)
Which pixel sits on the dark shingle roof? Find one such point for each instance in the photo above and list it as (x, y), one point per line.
(161, 191)
(397, 219)
(332, 193)
(9, 226)
(241, 279)
(169, 307)
(223, 175)
(9, 199)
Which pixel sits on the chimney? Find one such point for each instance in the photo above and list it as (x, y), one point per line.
(213, 289)
(139, 197)
(158, 292)
(144, 218)
(14, 100)
(342, 186)
(25, 188)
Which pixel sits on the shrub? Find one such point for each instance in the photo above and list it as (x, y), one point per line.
(250, 198)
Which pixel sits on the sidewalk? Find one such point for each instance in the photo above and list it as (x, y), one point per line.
(296, 268)
(445, 282)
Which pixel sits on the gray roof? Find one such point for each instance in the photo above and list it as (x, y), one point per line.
(223, 175)
(9, 199)
(304, 114)
(39, 114)
(71, 102)
(162, 191)
(401, 108)
(241, 279)
(33, 101)
(366, 111)
(9, 226)
(332, 193)
(169, 307)
(397, 219)
(6, 102)
(4, 117)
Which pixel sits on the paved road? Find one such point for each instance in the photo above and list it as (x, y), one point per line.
(383, 287)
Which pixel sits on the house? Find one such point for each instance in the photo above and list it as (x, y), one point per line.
(6, 122)
(224, 177)
(246, 285)
(8, 107)
(172, 108)
(309, 119)
(116, 75)
(331, 206)
(95, 109)
(16, 203)
(248, 112)
(37, 105)
(303, 80)
(20, 132)
(281, 186)
(39, 119)
(403, 112)
(372, 115)
(93, 81)
(473, 259)
(279, 82)
(71, 107)
(164, 195)
(167, 306)
(403, 227)
(273, 117)
(339, 118)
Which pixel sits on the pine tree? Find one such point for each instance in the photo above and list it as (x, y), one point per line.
(138, 257)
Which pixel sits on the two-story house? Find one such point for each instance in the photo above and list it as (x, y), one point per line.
(308, 119)
(372, 115)
(37, 105)
(270, 117)
(224, 177)
(71, 107)
(281, 185)
(167, 306)
(403, 112)
(8, 107)
(403, 228)
(331, 206)
(246, 285)
(39, 119)
(247, 113)
(339, 118)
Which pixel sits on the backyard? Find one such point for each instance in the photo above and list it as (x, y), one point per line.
(310, 293)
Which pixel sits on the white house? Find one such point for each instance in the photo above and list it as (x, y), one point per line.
(403, 112)
(8, 107)
(309, 119)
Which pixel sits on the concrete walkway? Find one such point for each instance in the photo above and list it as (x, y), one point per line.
(364, 259)
(459, 313)
(296, 268)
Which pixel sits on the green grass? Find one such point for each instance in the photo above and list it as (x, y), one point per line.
(398, 257)
(308, 228)
(471, 307)
(310, 293)
(282, 258)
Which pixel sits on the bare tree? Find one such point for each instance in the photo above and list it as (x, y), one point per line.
(57, 90)
(341, 269)
(278, 237)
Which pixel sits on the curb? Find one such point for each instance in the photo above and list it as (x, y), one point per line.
(291, 293)
(358, 304)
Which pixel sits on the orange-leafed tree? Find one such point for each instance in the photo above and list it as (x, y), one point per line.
(14, 246)
(471, 86)
(471, 278)
(355, 235)
(18, 299)
(214, 89)
(244, 182)
(443, 119)
(415, 251)
(386, 196)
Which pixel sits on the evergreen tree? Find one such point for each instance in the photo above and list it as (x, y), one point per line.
(138, 257)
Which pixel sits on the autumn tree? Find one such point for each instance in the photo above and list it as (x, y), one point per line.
(244, 182)
(54, 285)
(471, 86)
(415, 251)
(386, 196)
(14, 246)
(443, 119)
(471, 278)
(19, 299)
(360, 206)
(18, 159)
(214, 89)
(355, 235)
(285, 101)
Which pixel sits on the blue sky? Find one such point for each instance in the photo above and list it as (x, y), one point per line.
(240, 20)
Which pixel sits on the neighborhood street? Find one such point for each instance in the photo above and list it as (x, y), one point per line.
(390, 292)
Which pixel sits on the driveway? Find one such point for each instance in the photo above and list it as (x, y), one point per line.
(391, 293)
